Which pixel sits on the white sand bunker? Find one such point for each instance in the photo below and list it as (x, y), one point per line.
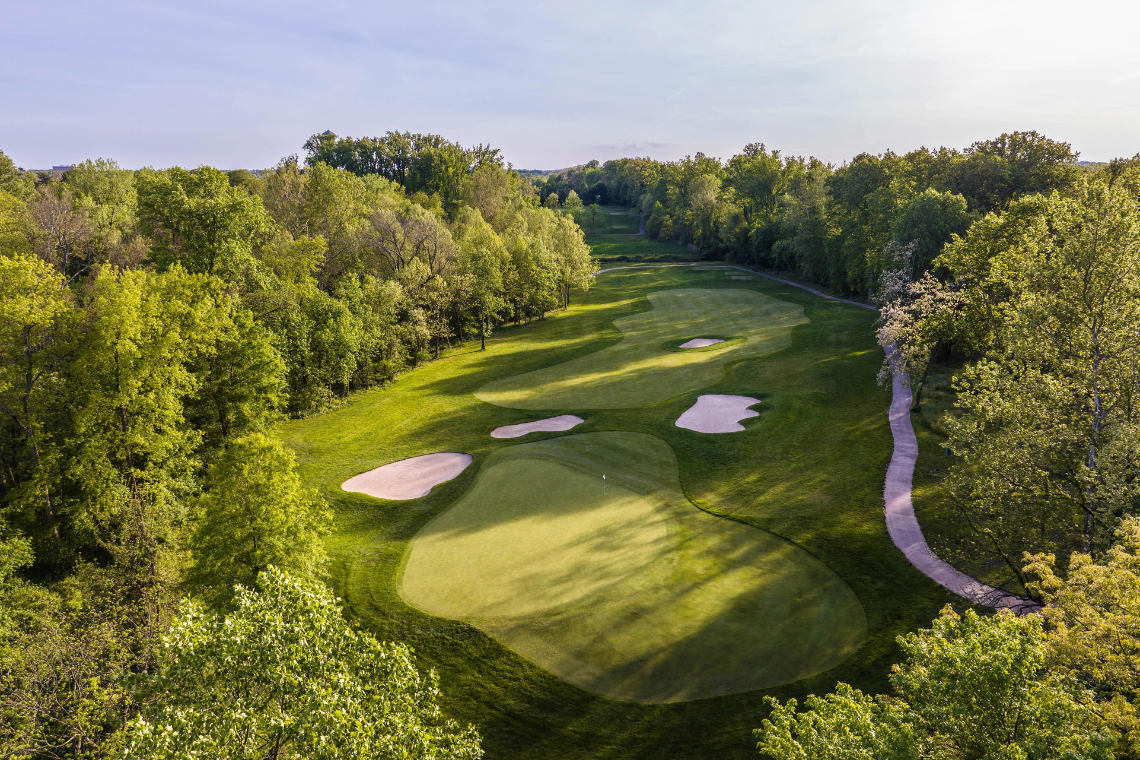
(718, 414)
(408, 478)
(701, 342)
(548, 425)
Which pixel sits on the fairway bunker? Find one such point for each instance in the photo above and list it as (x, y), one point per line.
(634, 594)
(701, 342)
(714, 413)
(548, 425)
(408, 478)
(643, 368)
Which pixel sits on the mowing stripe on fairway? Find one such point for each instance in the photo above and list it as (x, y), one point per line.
(636, 595)
(640, 370)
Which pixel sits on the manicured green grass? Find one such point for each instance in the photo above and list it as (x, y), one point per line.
(615, 250)
(632, 592)
(642, 369)
(611, 220)
(809, 469)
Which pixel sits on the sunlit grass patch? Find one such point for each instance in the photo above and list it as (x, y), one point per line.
(626, 589)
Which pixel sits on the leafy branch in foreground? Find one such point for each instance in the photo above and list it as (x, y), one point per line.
(1094, 618)
(972, 687)
(284, 676)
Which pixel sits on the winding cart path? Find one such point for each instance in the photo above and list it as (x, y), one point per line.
(902, 524)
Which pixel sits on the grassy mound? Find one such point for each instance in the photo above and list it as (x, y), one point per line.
(610, 220)
(634, 594)
(641, 369)
(618, 250)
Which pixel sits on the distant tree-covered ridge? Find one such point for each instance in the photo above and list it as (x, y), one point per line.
(825, 223)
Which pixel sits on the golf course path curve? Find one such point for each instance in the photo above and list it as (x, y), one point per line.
(899, 508)
(903, 525)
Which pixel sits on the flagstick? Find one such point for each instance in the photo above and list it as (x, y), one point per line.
(603, 484)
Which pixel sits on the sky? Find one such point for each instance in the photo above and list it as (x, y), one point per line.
(242, 84)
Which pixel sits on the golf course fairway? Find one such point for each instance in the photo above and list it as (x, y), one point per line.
(635, 594)
(644, 368)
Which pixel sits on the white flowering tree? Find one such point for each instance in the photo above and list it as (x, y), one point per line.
(913, 316)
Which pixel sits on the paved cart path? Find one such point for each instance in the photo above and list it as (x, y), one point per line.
(899, 507)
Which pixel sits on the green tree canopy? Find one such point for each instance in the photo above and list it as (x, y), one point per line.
(1047, 427)
(254, 513)
(930, 220)
(971, 688)
(284, 676)
(197, 218)
(13, 181)
(1094, 616)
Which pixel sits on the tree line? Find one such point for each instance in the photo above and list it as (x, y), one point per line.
(1037, 301)
(1014, 262)
(827, 224)
(154, 325)
(159, 555)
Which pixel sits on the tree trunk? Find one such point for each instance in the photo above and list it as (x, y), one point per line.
(483, 332)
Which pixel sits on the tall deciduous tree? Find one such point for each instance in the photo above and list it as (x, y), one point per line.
(1048, 416)
(757, 179)
(107, 197)
(930, 220)
(571, 254)
(284, 676)
(971, 687)
(254, 513)
(62, 234)
(36, 319)
(196, 218)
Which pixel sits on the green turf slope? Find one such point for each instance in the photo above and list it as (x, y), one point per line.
(643, 368)
(611, 220)
(635, 594)
(808, 469)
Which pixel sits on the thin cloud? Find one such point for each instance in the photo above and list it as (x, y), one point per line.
(235, 84)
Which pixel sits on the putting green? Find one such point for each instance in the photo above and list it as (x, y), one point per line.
(641, 369)
(635, 594)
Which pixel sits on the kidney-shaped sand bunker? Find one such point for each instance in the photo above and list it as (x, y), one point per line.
(634, 593)
(717, 413)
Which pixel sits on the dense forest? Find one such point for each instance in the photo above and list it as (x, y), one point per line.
(156, 324)
(828, 224)
(153, 327)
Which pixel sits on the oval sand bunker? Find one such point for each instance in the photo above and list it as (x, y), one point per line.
(548, 425)
(701, 342)
(718, 414)
(408, 478)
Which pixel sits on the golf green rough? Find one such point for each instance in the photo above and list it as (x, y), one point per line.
(635, 595)
(640, 370)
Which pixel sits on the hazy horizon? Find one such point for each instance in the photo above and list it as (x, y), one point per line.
(555, 85)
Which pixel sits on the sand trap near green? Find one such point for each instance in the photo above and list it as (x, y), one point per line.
(642, 369)
(634, 594)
